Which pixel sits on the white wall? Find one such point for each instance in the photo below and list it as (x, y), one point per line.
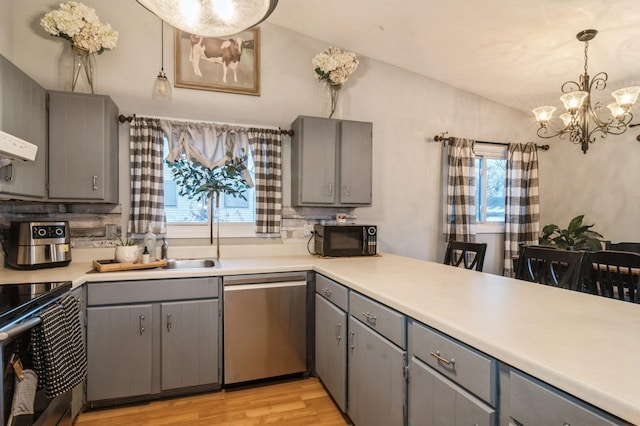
(407, 110)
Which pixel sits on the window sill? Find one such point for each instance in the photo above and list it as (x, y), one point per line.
(490, 228)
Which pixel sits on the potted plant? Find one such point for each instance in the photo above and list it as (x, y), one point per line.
(196, 181)
(126, 251)
(576, 236)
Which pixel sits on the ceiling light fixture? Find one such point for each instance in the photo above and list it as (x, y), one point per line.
(211, 18)
(580, 111)
(162, 87)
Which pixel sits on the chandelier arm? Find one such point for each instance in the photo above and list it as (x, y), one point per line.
(543, 132)
(599, 81)
(593, 114)
(566, 86)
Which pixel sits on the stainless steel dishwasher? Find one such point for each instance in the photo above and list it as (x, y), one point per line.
(265, 326)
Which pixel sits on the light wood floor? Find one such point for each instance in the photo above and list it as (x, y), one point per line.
(298, 402)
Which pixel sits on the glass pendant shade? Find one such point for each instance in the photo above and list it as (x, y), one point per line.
(566, 118)
(573, 100)
(616, 110)
(162, 88)
(627, 96)
(211, 18)
(543, 113)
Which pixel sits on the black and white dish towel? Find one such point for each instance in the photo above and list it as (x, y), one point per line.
(59, 357)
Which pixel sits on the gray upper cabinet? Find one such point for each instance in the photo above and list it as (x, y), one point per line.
(83, 148)
(23, 113)
(331, 162)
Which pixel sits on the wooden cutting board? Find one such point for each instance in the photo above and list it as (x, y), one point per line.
(110, 265)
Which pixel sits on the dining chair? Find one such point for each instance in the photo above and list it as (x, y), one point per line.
(626, 246)
(550, 266)
(469, 255)
(615, 274)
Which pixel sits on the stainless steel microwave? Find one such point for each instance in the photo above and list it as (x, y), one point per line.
(346, 240)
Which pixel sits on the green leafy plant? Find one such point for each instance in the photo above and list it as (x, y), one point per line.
(126, 242)
(196, 181)
(576, 236)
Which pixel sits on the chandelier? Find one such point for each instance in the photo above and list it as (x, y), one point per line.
(581, 114)
(211, 18)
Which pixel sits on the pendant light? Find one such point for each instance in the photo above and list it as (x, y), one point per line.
(162, 87)
(211, 18)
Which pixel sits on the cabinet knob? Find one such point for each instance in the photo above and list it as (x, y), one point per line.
(327, 292)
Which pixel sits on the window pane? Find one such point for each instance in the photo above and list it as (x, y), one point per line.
(479, 180)
(495, 196)
(182, 210)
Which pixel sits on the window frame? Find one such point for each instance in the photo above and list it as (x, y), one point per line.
(492, 151)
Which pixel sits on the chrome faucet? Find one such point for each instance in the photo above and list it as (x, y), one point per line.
(164, 250)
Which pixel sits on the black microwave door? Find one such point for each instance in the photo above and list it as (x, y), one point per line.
(344, 242)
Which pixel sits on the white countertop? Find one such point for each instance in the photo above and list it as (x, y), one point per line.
(585, 345)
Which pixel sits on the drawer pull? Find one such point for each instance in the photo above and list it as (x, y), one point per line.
(439, 357)
(338, 336)
(141, 324)
(169, 323)
(370, 318)
(327, 292)
(352, 338)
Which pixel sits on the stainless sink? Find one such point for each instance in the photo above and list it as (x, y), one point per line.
(191, 263)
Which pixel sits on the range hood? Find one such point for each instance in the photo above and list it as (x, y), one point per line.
(14, 148)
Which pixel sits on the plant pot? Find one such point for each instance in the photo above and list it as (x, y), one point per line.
(127, 254)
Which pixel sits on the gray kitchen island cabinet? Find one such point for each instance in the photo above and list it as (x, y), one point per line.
(331, 338)
(83, 147)
(376, 364)
(152, 337)
(331, 162)
(23, 114)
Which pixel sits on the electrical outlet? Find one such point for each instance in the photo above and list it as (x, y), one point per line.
(111, 231)
(308, 229)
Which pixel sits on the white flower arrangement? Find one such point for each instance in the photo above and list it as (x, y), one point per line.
(80, 24)
(334, 66)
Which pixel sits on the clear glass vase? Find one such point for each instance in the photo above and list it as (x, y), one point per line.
(333, 99)
(78, 70)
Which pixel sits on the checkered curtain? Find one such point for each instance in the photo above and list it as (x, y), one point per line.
(147, 183)
(522, 209)
(266, 148)
(461, 190)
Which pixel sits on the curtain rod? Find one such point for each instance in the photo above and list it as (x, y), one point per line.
(122, 118)
(439, 138)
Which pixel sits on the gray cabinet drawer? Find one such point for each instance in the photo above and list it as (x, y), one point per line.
(535, 403)
(125, 292)
(384, 320)
(331, 290)
(466, 366)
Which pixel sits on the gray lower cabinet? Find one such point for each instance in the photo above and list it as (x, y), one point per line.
(78, 393)
(530, 402)
(152, 337)
(83, 148)
(450, 383)
(119, 351)
(377, 360)
(331, 349)
(331, 162)
(23, 113)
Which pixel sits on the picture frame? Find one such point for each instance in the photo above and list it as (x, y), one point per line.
(202, 62)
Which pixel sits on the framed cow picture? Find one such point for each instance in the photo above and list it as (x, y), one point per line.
(222, 64)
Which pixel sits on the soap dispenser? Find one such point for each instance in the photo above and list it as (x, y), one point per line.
(150, 243)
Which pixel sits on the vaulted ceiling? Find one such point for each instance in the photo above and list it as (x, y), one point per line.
(515, 52)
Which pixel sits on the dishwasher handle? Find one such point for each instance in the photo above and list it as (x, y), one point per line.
(277, 277)
(262, 286)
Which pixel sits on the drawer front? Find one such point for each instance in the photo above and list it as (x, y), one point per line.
(331, 290)
(384, 320)
(535, 403)
(468, 367)
(119, 292)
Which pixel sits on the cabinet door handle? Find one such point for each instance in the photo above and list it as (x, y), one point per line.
(338, 336)
(330, 189)
(352, 338)
(169, 324)
(439, 357)
(9, 177)
(142, 324)
(95, 183)
(370, 318)
(347, 190)
(327, 292)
